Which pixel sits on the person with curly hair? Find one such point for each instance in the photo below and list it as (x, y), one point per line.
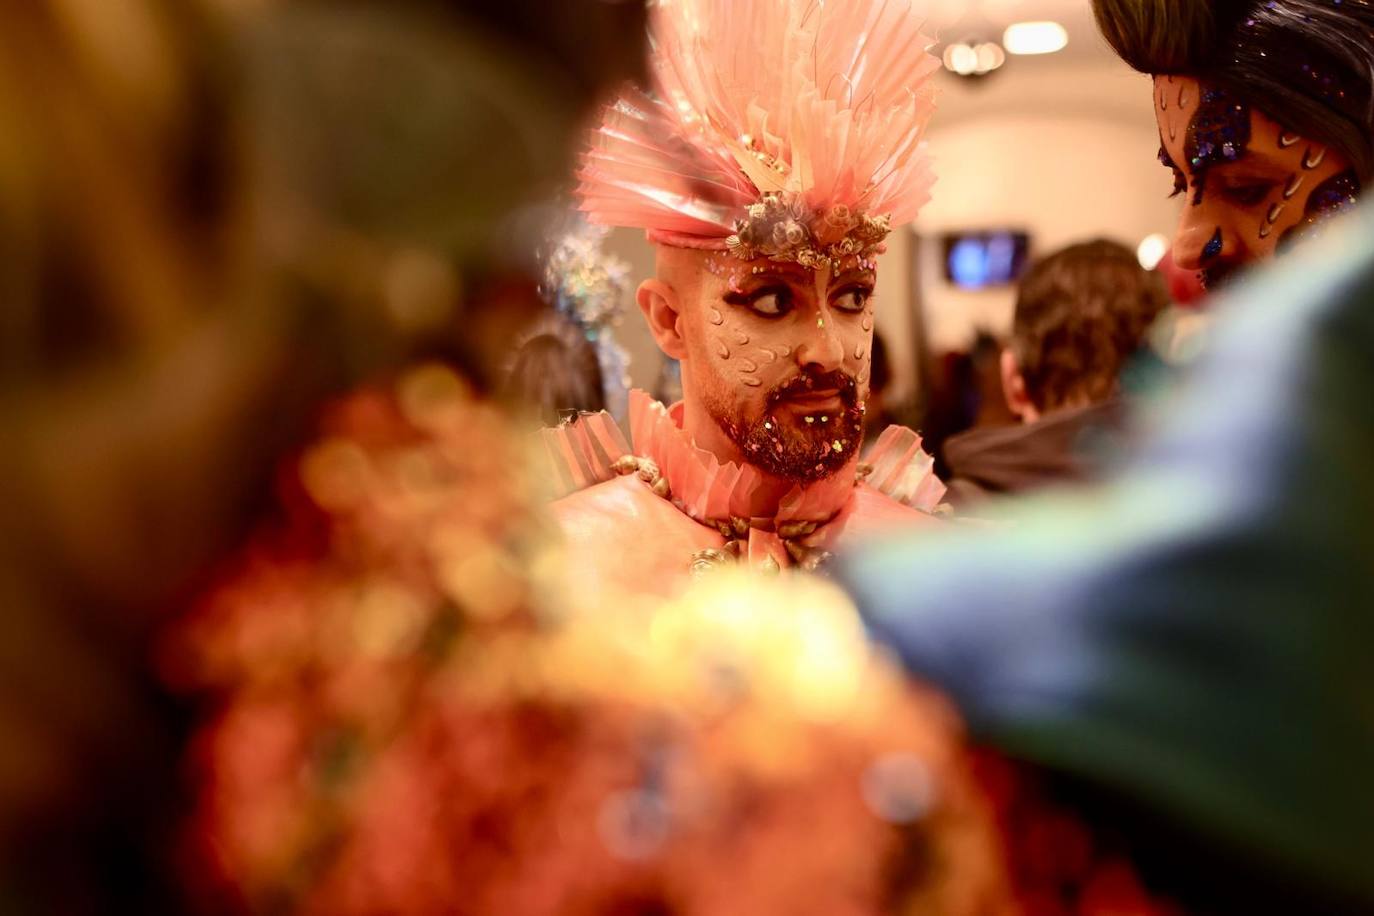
(1081, 314)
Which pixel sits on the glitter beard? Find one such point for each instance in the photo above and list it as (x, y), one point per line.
(804, 447)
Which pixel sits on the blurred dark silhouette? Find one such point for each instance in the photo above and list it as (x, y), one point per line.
(213, 215)
(556, 373)
(879, 414)
(1186, 647)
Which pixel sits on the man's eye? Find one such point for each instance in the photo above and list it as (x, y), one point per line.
(1248, 195)
(852, 300)
(770, 303)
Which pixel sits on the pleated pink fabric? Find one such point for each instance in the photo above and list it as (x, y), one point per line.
(823, 103)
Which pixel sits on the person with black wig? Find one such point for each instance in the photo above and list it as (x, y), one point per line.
(1265, 111)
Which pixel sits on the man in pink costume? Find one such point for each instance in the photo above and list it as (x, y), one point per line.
(779, 145)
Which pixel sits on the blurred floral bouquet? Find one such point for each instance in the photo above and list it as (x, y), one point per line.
(409, 709)
(409, 716)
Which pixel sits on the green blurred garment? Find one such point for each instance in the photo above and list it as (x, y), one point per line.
(1195, 637)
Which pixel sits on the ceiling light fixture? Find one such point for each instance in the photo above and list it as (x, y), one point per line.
(974, 59)
(1035, 38)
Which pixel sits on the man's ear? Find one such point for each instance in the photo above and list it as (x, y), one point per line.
(1014, 389)
(659, 303)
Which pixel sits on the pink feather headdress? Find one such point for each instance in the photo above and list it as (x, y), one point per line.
(786, 129)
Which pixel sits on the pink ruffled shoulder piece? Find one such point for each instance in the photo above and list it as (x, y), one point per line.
(703, 487)
(582, 453)
(820, 500)
(903, 471)
(710, 490)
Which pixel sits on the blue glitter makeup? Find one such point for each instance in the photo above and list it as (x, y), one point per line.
(1218, 133)
(1332, 197)
(1213, 246)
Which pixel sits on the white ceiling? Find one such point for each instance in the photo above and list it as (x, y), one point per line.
(987, 19)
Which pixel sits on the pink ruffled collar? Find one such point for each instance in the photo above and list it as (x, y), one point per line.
(710, 491)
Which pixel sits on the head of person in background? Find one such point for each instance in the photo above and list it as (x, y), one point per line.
(1265, 112)
(556, 374)
(1081, 314)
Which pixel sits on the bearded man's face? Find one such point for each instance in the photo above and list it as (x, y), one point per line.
(779, 355)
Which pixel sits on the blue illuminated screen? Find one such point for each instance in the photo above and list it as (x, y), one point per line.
(977, 260)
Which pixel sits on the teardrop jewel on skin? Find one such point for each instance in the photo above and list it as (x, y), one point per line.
(715, 317)
(722, 349)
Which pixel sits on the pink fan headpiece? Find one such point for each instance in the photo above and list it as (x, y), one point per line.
(786, 129)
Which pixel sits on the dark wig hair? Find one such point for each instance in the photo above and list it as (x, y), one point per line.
(1308, 64)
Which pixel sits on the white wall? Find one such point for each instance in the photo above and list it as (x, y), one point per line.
(1065, 150)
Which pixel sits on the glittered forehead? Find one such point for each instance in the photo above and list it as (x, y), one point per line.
(737, 271)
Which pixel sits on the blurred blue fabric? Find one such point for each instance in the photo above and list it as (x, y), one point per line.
(1196, 634)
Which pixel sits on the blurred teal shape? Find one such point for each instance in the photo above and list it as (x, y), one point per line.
(1194, 637)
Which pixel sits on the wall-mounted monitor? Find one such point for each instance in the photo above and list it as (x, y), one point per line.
(979, 260)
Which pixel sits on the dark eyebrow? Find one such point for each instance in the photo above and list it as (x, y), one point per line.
(853, 275)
